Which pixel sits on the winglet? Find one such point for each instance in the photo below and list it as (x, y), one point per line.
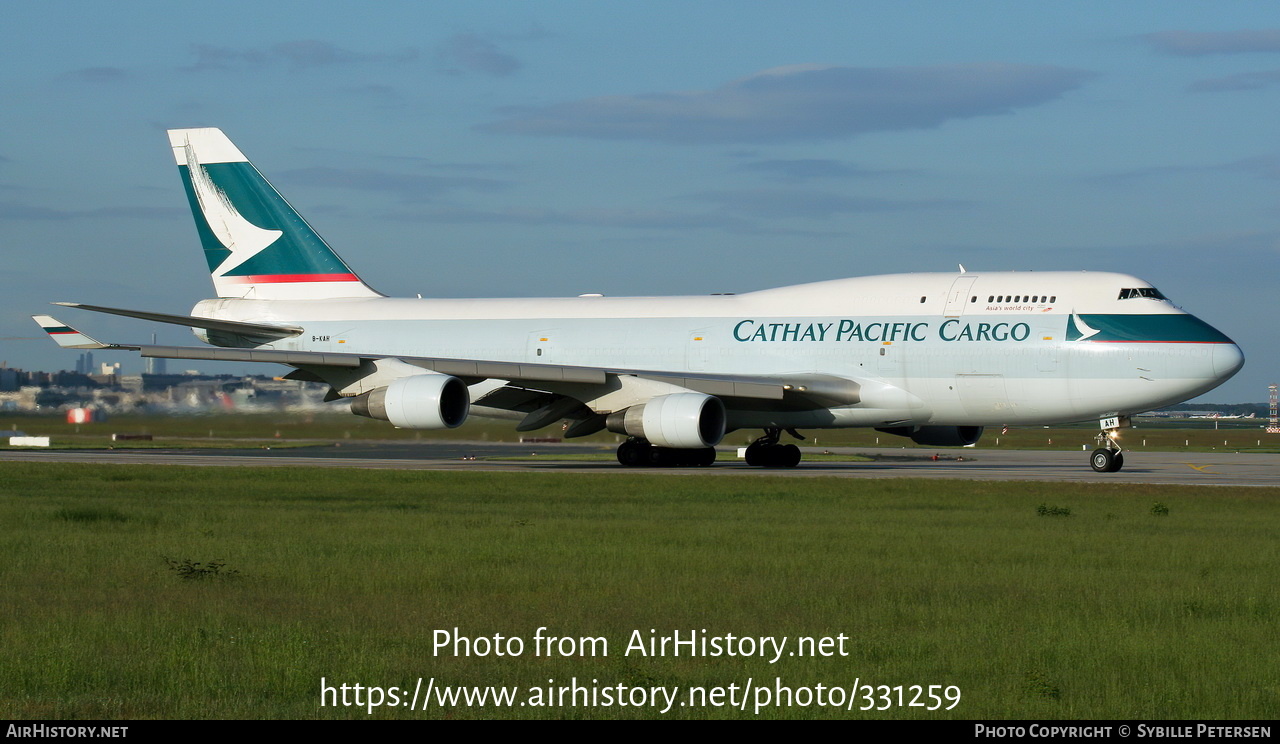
(66, 336)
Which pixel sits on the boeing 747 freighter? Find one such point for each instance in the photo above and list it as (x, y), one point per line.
(933, 357)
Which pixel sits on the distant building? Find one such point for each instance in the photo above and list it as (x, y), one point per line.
(72, 380)
(10, 379)
(106, 389)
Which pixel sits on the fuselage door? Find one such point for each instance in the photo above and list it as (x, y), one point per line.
(983, 395)
(699, 353)
(958, 297)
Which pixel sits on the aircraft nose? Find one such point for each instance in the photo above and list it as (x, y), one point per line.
(1227, 360)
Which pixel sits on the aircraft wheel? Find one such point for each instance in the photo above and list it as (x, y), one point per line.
(779, 456)
(662, 457)
(634, 453)
(756, 454)
(693, 457)
(1117, 462)
(1104, 461)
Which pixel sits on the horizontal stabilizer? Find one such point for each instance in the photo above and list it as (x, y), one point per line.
(66, 336)
(190, 321)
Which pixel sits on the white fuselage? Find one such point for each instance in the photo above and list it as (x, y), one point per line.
(927, 349)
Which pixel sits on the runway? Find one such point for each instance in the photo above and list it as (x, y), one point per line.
(1160, 468)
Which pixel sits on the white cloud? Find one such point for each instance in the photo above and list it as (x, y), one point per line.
(473, 53)
(808, 169)
(775, 203)
(1197, 43)
(1239, 81)
(409, 186)
(802, 102)
(298, 54)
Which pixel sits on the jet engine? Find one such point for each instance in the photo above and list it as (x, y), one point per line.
(679, 420)
(938, 436)
(426, 401)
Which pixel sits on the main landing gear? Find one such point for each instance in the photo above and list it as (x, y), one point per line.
(1107, 458)
(766, 451)
(636, 453)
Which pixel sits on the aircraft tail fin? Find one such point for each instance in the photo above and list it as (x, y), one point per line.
(256, 244)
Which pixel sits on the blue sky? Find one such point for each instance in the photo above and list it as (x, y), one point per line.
(557, 148)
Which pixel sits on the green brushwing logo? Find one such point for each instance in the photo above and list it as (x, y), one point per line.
(1173, 328)
(247, 229)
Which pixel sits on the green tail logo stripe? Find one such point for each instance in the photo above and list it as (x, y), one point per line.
(251, 236)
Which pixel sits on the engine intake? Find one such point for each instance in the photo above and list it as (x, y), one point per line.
(426, 401)
(680, 420)
(938, 436)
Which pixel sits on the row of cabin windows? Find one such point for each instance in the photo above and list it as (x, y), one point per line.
(1125, 294)
(1033, 299)
(1012, 298)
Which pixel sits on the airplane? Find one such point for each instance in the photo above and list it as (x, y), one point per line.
(932, 357)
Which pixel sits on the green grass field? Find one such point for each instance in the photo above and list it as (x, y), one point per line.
(1140, 603)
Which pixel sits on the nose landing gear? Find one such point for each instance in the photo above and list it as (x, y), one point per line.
(1108, 457)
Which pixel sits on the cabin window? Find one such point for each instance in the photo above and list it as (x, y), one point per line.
(991, 298)
(922, 300)
(1053, 298)
(973, 299)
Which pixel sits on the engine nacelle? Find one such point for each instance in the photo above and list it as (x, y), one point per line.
(939, 436)
(426, 401)
(680, 420)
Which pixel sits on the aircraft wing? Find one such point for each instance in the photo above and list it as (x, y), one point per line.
(801, 390)
(473, 370)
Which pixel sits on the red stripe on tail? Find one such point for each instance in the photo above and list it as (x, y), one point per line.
(290, 278)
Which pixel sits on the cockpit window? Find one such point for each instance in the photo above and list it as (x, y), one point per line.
(1148, 292)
